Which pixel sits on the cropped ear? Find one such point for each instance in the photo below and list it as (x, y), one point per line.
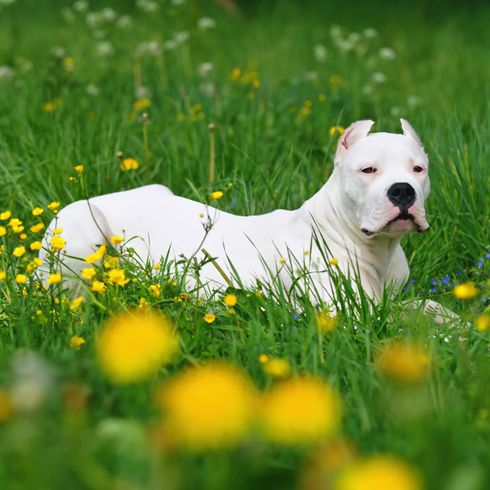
(410, 132)
(353, 133)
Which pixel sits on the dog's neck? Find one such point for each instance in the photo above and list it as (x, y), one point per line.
(373, 255)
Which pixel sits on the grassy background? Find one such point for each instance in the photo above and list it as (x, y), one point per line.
(276, 150)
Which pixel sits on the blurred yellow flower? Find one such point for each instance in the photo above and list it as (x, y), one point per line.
(37, 245)
(54, 278)
(135, 344)
(230, 300)
(334, 261)
(482, 322)
(155, 290)
(110, 261)
(53, 206)
(276, 367)
(117, 277)
(23, 236)
(37, 211)
(235, 74)
(52, 105)
(15, 222)
(79, 169)
(96, 256)
(34, 264)
(217, 195)
(97, 287)
(57, 231)
(37, 227)
(76, 303)
(76, 342)
(326, 322)
(88, 273)
(207, 407)
(57, 243)
(141, 104)
(378, 473)
(404, 362)
(116, 239)
(263, 358)
(3, 275)
(3, 231)
(19, 251)
(69, 63)
(17, 229)
(336, 130)
(5, 215)
(466, 290)
(301, 410)
(209, 317)
(129, 164)
(21, 278)
(6, 406)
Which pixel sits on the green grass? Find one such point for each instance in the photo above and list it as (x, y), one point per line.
(276, 151)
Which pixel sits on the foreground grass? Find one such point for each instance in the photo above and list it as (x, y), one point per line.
(275, 106)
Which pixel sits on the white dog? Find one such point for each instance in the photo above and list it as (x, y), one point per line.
(375, 194)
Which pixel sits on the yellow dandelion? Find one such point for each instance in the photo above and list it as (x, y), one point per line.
(19, 251)
(79, 169)
(15, 222)
(482, 322)
(34, 264)
(209, 317)
(217, 195)
(88, 273)
(57, 243)
(117, 277)
(325, 322)
(466, 290)
(134, 345)
(37, 227)
(141, 104)
(3, 231)
(207, 407)
(129, 164)
(23, 236)
(76, 342)
(334, 261)
(116, 239)
(20, 278)
(230, 300)
(301, 410)
(277, 367)
(157, 266)
(37, 245)
(96, 256)
(54, 279)
(407, 363)
(5, 215)
(155, 290)
(110, 261)
(57, 231)
(54, 205)
(77, 302)
(37, 211)
(380, 472)
(263, 358)
(97, 287)
(3, 275)
(336, 130)
(17, 229)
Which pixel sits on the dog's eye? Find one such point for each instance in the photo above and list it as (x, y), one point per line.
(417, 169)
(369, 170)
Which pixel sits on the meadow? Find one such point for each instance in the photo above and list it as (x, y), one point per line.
(138, 383)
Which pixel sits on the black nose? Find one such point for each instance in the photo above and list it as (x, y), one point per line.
(402, 195)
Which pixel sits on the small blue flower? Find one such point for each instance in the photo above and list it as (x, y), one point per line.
(445, 280)
(433, 290)
(487, 256)
(479, 264)
(412, 281)
(295, 315)
(433, 282)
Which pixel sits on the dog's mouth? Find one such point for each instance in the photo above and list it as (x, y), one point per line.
(403, 216)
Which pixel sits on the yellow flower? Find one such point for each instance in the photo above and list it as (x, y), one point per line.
(407, 363)
(334, 261)
(209, 317)
(326, 322)
(57, 231)
(17, 229)
(5, 215)
(466, 290)
(116, 239)
(217, 195)
(69, 63)
(301, 410)
(482, 322)
(117, 277)
(6, 406)
(155, 290)
(79, 168)
(34, 264)
(230, 300)
(134, 345)
(37, 245)
(277, 368)
(336, 130)
(37, 227)
(19, 251)
(378, 473)
(98, 287)
(263, 358)
(52, 105)
(75, 304)
(141, 104)
(92, 258)
(53, 206)
(15, 222)
(322, 97)
(235, 74)
(207, 407)
(23, 236)
(282, 260)
(110, 261)
(54, 279)
(88, 273)
(57, 243)
(129, 164)
(76, 342)
(37, 211)
(3, 275)
(21, 278)
(3, 230)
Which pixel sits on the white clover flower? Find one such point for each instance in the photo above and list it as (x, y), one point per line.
(170, 45)
(108, 14)
(150, 47)
(80, 6)
(93, 19)
(58, 52)
(206, 23)
(353, 37)
(320, 52)
(181, 37)
(395, 111)
(311, 76)
(367, 90)
(124, 21)
(142, 92)
(205, 69)
(413, 101)
(177, 3)
(378, 77)
(104, 49)
(387, 53)
(147, 5)
(207, 89)
(92, 90)
(370, 33)
(6, 73)
(335, 31)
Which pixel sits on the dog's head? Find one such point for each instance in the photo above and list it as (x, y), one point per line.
(383, 179)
